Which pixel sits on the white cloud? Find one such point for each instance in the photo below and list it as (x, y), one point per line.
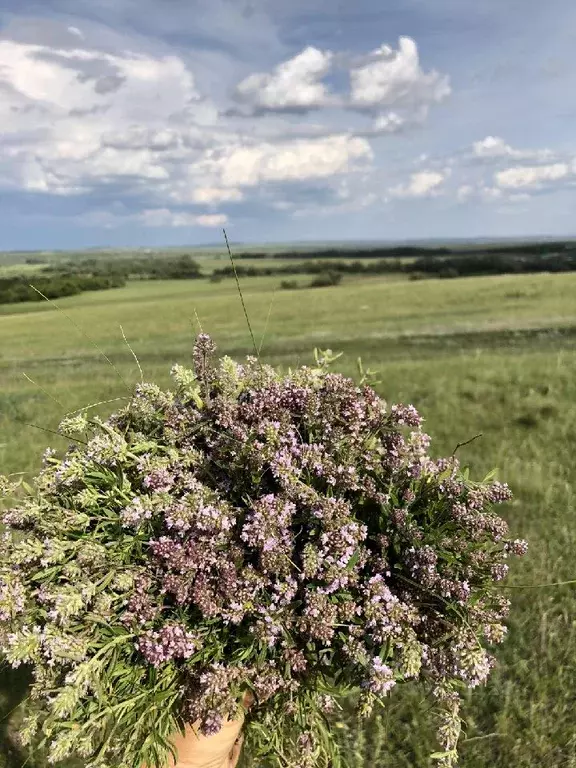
(421, 184)
(60, 81)
(77, 32)
(389, 84)
(150, 217)
(531, 176)
(163, 217)
(211, 220)
(495, 147)
(69, 114)
(294, 84)
(390, 122)
(77, 120)
(395, 79)
(209, 195)
(490, 193)
(480, 191)
(492, 146)
(300, 160)
(355, 205)
(148, 128)
(139, 137)
(464, 192)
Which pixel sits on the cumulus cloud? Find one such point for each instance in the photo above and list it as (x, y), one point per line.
(164, 217)
(139, 137)
(290, 161)
(421, 184)
(391, 122)
(516, 174)
(518, 177)
(121, 216)
(79, 118)
(68, 115)
(209, 195)
(490, 194)
(77, 32)
(464, 192)
(61, 80)
(133, 125)
(293, 85)
(391, 82)
(495, 147)
(480, 191)
(492, 146)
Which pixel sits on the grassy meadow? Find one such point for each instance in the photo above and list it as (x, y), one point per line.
(493, 356)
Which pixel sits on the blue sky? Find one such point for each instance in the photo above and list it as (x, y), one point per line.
(157, 122)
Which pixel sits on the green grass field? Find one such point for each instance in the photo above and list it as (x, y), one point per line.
(495, 356)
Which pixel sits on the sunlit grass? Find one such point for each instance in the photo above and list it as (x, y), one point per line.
(462, 351)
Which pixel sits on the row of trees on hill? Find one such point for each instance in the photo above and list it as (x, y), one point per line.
(135, 267)
(488, 263)
(414, 251)
(494, 264)
(91, 274)
(73, 277)
(392, 252)
(17, 288)
(311, 268)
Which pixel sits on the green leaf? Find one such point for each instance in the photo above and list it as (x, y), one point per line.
(442, 755)
(490, 476)
(27, 487)
(353, 560)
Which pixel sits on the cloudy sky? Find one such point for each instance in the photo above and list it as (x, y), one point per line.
(134, 122)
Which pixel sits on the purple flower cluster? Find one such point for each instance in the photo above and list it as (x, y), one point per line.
(260, 532)
(381, 677)
(170, 642)
(159, 480)
(12, 597)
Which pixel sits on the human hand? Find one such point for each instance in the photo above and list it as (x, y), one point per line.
(221, 750)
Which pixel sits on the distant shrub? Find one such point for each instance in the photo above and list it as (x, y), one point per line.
(36, 260)
(289, 285)
(215, 278)
(326, 279)
(449, 273)
(181, 268)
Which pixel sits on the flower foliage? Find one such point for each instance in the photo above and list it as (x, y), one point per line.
(286, 535)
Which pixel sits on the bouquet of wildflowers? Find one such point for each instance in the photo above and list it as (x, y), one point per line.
(285, 536)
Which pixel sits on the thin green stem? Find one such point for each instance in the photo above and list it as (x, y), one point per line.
(75, 324)
(241, 295)
(535, 586)
(41, 388)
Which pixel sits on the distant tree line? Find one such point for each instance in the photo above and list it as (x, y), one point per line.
(17, 288)
(490, 263)
(145, 268)
(487, 263)
(93, 274)
(75, 276)
(310, 268)
(414, 251)
(396, 252)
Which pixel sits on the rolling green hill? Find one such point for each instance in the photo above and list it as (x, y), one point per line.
(489, 355)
